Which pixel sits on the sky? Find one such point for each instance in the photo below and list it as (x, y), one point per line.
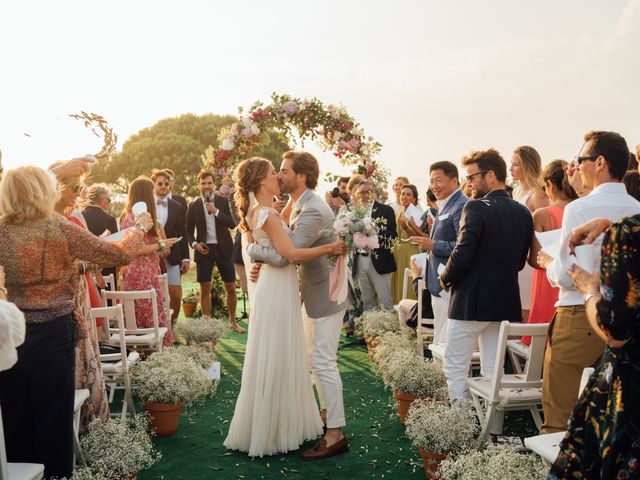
(429, 80)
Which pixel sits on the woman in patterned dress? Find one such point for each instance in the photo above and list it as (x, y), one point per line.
(603, 441)
(142, 273)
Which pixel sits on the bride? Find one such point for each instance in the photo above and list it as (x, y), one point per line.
(276, 409)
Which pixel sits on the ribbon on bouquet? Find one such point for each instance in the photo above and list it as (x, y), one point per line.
(338, 280)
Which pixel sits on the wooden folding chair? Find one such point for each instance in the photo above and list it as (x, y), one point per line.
(519, 391)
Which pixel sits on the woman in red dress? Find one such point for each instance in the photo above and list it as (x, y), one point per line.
(142, 273)
(543, 295)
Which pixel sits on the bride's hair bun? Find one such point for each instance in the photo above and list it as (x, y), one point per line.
(248, 176)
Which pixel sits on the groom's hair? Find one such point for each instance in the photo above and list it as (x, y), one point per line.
(306, 164)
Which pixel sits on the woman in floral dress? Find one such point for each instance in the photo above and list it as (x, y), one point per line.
(142, 273)
(603, 441)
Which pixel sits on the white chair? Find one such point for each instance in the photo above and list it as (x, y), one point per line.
(437, 353)
(547, 446)
(425, 326)
(518, 354)
(14, 470)
(519, 391)
(148, 338)
(81, 396)
(115, 366)
(166, 300)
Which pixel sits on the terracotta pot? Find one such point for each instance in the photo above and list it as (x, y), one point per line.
(164, 417)
(403, 401)
(371, 347)
(188, 309)
(431, 461)
(132, 476)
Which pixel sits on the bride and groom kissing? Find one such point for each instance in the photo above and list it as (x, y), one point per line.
(276, 410)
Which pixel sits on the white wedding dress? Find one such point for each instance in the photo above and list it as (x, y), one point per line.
(276, 410)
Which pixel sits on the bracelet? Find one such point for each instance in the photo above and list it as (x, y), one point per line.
(589, 295)
(162, 244)
(141, 227)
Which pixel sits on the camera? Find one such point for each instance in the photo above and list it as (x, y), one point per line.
(335, 193)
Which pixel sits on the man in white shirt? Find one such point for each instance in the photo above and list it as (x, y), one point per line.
(572, 344)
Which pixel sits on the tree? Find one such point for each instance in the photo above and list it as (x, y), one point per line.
(176, 143)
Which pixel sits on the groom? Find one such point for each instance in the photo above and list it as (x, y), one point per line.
(308, 215)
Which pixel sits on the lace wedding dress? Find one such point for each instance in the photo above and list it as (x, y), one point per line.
(276, 410)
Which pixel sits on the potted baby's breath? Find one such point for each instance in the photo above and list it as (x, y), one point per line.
(390, 342)
(117, 448)
(495, 462)
(439, 430)
(204, 330)
(411, 376)
(167, 381)
(190, 302)
(374, 323)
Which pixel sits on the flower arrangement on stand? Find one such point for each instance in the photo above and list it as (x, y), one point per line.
(203, 330)
(495, 462)
(410, 377)
(374, 323)
(330, 126)
(166, 382)
(440, 431)
(117, 448)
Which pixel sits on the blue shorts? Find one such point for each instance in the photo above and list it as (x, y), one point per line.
(215, 257)
(173, 273)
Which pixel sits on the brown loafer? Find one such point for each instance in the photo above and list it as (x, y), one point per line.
(321, 451)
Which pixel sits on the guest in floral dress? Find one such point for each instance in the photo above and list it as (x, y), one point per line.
(88, 369)
(603, 441)
(142, 273)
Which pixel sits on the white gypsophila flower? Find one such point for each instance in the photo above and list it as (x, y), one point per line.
(373, 323)
(437, 427)
(205, 329)
(390, 342)
(117, 448)
(494, 463)
(171, 377)
(407, 372)
(202, 355)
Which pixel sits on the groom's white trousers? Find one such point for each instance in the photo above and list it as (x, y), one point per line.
(322, 336)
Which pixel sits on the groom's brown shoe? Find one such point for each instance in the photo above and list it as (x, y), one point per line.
(321, 451)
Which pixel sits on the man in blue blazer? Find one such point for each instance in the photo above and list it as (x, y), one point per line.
(445, 186)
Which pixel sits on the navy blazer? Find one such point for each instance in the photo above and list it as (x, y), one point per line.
(492, 247)
(382, 257)
(175, 227)
(196, 221)
(444, 233)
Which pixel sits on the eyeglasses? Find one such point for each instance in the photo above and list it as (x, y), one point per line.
(579, 160)
(470, 177)
(163, 184)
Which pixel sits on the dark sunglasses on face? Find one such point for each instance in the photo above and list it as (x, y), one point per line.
(470, 177)
(579, 160)
(163, 184)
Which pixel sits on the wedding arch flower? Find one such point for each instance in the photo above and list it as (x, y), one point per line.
(331, 126)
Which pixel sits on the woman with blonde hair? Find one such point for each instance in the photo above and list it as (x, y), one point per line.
(276, 410)
(142, 273)
(526, 166)
(38, 250)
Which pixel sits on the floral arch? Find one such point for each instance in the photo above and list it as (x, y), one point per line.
(333, 129)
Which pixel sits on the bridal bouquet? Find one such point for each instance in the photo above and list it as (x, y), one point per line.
(359, 231)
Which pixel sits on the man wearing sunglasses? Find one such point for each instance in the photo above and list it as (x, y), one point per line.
(172, 216)
(482, 272)
(572, 345)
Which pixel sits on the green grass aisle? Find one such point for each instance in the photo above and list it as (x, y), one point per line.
(378, 446)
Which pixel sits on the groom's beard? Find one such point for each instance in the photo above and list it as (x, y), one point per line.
(285, 187)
